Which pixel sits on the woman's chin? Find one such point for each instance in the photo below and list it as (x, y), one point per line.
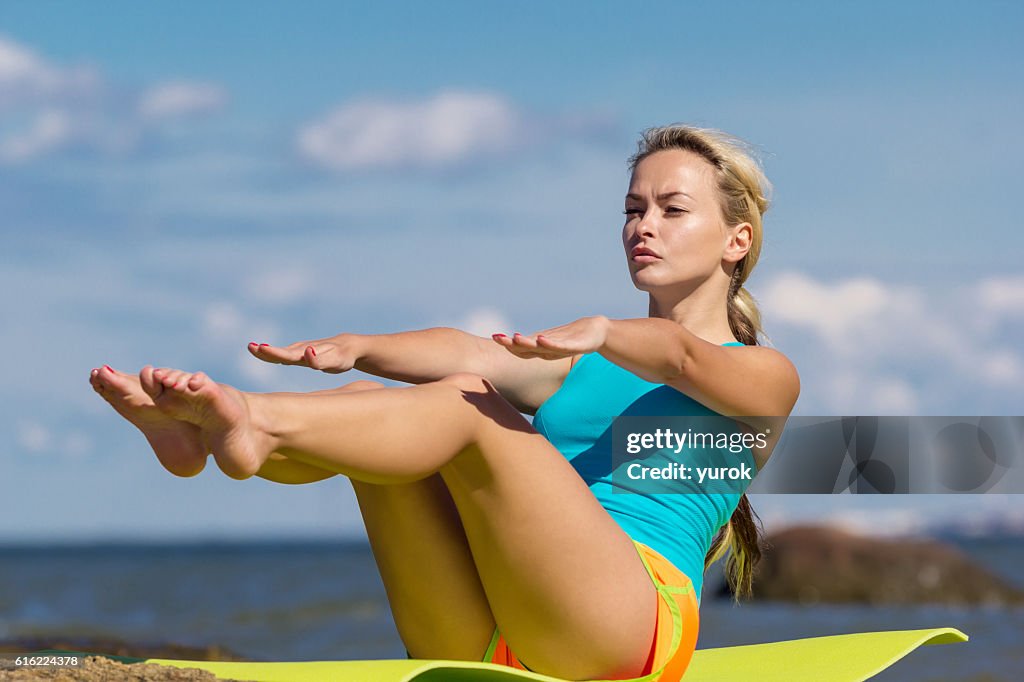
(644, 282)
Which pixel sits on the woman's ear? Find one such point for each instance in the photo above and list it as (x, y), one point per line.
(739, 242)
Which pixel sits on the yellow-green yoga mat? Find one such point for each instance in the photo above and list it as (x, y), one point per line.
(838, 658)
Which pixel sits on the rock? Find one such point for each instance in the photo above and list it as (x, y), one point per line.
(811, 564)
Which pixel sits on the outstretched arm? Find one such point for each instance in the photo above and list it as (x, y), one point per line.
(743, 381)
(751, 381)
(426, 355)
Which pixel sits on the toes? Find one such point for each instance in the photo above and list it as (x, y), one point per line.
(197, 381)
(175, 379)
(157, 381)
(111, 378)
(101, 376)
(150, 383)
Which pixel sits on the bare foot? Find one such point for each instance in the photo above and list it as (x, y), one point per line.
(220, 412)
(177, 445)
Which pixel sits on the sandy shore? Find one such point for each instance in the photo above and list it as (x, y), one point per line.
(99, 669)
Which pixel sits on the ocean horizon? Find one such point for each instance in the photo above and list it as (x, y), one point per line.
(323, 600)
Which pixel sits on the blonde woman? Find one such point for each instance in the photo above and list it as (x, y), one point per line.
(494, 541)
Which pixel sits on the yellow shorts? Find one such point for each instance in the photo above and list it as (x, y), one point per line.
(675, 633)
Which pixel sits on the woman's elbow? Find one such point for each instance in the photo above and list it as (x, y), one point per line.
(673, 369)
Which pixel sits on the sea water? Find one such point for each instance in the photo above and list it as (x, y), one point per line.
(325, 600)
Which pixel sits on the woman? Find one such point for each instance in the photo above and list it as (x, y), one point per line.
(490, 542)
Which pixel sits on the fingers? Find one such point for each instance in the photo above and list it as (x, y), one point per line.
(289, 355)
(309, 358)
(525, 346)
(303, 353)
(517, 340)
(524, 341)
(509, 344)
(545, 342)
(323, 355)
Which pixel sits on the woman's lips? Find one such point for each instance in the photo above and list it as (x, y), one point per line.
(642, 254)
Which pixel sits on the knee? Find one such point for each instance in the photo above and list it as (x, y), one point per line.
(362, 385)
(478, 392)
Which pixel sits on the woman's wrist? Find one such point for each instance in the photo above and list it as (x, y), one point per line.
(355, 346)
(605, 325)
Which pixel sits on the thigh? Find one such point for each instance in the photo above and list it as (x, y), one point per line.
(566, 585)
(435, 594)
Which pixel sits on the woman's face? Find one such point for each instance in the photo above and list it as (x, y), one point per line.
(674, 231)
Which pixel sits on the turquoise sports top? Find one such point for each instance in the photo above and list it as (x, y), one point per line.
(577, 420)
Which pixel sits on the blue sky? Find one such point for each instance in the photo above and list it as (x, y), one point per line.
(176, 181)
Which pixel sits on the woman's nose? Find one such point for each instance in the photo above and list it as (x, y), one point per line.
(645, 226)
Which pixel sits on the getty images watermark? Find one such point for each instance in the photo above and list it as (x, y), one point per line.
(892, 455)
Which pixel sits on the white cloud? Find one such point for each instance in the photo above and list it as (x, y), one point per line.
(448, 128)
(484, 322)
(221, 321)
(865, 317)
(231, 330)
(49, 129)
(180, 98)
(77, 445)
(839, 313)
(34, 437)
(1002, 295)
(263, 374)
(874, 390)
(1002, 367)
(280, 287)
(894, 396)
(18, 64)
(25, 76)
(881, 348)
(224, 322)
(60, 106)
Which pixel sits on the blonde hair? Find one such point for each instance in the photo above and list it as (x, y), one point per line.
(743, 192)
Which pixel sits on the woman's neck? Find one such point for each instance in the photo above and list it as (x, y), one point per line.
(702, 312)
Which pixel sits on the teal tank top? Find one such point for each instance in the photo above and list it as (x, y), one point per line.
(577, 420)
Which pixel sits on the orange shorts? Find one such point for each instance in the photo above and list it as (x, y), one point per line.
(675, 632)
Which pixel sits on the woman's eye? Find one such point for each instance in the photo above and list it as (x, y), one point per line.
(670, 209)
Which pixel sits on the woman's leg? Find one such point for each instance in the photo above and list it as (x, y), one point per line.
(414, 529)
(438, 603)
(436, 597)
(564, 583)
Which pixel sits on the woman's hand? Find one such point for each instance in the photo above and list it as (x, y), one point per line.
(332, 355)
(585, 335)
